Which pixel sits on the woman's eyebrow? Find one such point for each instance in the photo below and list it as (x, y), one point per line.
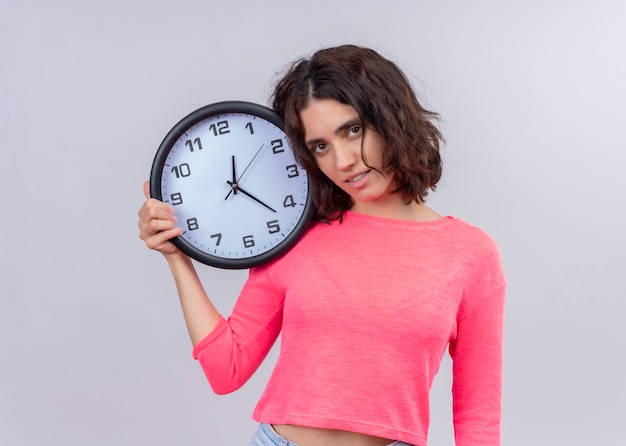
(339, 130)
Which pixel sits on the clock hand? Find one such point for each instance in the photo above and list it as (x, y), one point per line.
(244, 170)
(234, 173)
(236, 187)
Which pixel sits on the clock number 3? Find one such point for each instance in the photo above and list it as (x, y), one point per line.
(292, 170)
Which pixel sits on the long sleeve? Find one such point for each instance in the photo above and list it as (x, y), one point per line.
(477, 373)
(234, 350)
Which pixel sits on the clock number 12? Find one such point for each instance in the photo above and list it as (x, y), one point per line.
(219, 128)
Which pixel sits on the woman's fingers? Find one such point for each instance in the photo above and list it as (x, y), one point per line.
(160, 241)
(146, 189)
(157, 224)
(154, 217)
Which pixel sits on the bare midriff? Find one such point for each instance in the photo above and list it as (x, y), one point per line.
(312, 436)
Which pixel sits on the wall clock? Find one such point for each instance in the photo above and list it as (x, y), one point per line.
(229, 172)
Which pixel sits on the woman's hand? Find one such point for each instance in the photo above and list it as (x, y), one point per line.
(157, 225)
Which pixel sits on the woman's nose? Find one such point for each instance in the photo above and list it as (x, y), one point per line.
(345, 156)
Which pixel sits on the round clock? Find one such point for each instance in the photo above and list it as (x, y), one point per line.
(238, 193)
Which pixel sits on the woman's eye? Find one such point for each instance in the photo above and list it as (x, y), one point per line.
(318, 148)
(354, 130)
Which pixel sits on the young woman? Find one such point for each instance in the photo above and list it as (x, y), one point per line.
(376, 290)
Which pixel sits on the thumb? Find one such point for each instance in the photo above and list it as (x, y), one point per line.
(146, 189)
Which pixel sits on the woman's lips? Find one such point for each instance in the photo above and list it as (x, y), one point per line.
(356, 178)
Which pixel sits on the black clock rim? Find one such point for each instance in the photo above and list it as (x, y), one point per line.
(156, 172)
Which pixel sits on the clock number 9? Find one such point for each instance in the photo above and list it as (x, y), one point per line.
(177, 198)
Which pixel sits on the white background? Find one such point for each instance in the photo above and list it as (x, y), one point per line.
(93, 345)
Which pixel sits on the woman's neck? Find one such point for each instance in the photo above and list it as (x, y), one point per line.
(399, 211)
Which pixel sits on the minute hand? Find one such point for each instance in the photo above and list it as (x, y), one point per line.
(236, 180)
(236, 187)
(255, 155)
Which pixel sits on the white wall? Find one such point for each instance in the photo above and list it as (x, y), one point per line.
(94, 349)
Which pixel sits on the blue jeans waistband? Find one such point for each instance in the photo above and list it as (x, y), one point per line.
(267, 436)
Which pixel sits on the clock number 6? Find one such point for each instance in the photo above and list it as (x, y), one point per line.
(248, 241)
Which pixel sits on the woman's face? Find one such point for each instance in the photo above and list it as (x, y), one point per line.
(333, 132)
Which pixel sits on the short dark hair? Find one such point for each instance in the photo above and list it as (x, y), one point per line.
(383, 97)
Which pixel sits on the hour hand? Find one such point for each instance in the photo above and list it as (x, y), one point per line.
(234, 180)
(234, 173)
(235, 187)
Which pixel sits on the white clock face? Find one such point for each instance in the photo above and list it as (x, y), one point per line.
(235, 186)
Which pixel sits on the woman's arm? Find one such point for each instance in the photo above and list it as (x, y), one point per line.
(228, 351)
(477, 373)
(157, 225)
